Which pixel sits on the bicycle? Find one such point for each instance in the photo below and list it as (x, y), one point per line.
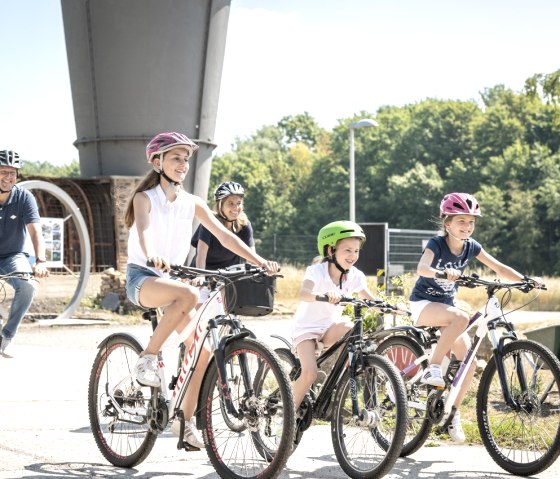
(518, 398)
(238, 406)
(363, 397)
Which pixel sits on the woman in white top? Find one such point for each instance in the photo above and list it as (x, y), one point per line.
(339, 245)
(159, 216)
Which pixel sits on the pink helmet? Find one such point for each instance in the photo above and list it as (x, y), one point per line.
(166, 141)
(459, 204)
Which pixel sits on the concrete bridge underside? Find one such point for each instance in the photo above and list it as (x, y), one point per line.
(140, 67)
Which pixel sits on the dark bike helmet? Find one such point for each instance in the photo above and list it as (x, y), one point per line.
(10, 158)
(227, 189)
(337, 230)
(459, 204)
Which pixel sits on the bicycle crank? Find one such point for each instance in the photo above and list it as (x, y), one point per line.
(158, 416)
(435, 406)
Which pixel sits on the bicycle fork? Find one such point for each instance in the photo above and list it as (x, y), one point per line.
(219, 355)
(369, 415)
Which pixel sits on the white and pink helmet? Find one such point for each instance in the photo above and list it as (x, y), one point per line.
(459, 204)
(166, 141)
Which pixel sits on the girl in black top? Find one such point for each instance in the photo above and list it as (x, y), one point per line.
(210, 254)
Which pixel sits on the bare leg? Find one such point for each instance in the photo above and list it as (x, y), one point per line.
(306, 354)
(460, 349)
(452, 322)
(191, 397)
(180, 299)
(335, 332)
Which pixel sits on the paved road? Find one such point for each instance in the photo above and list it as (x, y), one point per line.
(44, 427)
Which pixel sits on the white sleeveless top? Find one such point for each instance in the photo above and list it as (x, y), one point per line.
(170, 229)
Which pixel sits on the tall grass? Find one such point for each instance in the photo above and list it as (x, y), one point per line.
(287, 296)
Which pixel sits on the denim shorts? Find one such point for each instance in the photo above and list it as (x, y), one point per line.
(135, 277)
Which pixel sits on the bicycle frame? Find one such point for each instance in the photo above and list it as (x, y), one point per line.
(485, 320)
(326, 392)
(207, 320)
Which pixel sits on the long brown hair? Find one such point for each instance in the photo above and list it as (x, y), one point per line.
(151, 180)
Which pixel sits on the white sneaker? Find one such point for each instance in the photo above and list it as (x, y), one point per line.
(5, 346)
(146, 371)
(432, 376)
(455, 430)
(192, 434)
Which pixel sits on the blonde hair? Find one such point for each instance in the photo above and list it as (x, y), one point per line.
(241, 221)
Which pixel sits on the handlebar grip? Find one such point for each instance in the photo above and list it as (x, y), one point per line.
(441, 275)
(322, 297)
(150, 263)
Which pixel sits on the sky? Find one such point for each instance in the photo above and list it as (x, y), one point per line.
(330, 58)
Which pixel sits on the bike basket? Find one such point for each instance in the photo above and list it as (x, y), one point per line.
(251, 296)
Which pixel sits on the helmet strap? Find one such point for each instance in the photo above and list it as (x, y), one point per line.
(162, 173)
(224, 218)
(332, 259)
(169, 180)
(454, 237)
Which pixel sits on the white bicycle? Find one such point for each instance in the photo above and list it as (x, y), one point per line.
(518, 400)
(245, 407)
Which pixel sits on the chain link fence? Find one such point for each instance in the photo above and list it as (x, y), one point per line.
(404, 251)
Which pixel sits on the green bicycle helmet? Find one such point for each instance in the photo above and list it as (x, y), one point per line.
(330, 234)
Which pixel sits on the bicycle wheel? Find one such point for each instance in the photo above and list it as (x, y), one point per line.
(263, 401)
(402, 352)
(118, 405)
(382, 409)
(525, 439)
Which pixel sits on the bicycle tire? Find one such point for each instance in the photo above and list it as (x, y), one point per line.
(403, 351)
(382, 396)
(124, 439)
(268, 413)
(526, 441)
(289, 362)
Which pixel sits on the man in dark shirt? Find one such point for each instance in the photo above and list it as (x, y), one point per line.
(19, 216)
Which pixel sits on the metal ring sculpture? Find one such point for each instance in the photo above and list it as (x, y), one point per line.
(85, 246)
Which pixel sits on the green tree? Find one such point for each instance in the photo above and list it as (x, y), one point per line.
(301, 129)
(46, 169)
(423, 186)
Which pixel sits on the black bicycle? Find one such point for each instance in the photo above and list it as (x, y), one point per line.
(363, 397)
(518, 400)
(241, 411)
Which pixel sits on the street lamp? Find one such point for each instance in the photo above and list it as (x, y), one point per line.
(365, 123)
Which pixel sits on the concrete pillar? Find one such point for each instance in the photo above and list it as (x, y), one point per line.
(141, 67)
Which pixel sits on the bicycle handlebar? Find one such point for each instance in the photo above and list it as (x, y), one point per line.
(384, 306)
(236, 271)
(474, 281)
(26, 275)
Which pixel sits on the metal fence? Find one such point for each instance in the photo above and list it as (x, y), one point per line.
(405, 249)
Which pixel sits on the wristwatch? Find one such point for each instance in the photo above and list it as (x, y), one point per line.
(40, 260)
